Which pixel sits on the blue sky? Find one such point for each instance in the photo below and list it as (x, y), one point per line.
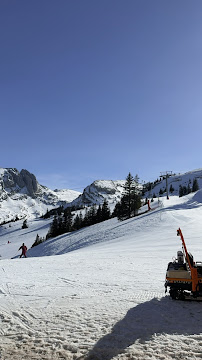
(93, 89)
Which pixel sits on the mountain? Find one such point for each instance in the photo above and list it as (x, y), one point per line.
(175, 180)
(22, 196)
(103, 296)
(111, 190)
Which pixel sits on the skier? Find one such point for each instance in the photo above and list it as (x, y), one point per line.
(24, 250)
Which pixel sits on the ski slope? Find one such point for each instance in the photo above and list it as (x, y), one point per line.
(102, 297)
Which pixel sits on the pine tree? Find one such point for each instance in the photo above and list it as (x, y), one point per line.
(92, 215)
(99, 214)
(38, 240)
(86, 220)
(60, 225)
(185, 190)
(67, 220)
(117, 210)
(195, 186)
(188, 189)
(130, 201)
(180, 191)
(53, 227)
(129, 191)
(46, 215)
(136, 179)
(105, 211)
(136, 203)
(77, 223)
(24, 225)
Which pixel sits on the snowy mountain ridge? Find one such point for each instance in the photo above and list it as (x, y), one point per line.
(22, 196)
(111, 190)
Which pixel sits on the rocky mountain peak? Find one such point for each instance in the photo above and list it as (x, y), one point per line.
(111, 190)
(12, 181)
(22, 196)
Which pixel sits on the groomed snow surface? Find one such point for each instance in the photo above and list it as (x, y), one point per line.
(98, 293)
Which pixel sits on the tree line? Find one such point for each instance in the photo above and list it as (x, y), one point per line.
(184, 190)
(130, 201)
(65, 220)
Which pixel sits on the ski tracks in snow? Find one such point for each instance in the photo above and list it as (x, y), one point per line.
(105, 302)
(71, 331)
(65, 334)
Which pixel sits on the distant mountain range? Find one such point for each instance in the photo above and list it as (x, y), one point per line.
(21, 196)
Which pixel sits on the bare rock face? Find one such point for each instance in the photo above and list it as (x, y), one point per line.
(29, 181)
(12, 181)
(21, 196)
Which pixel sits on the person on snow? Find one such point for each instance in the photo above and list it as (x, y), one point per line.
(24, 250)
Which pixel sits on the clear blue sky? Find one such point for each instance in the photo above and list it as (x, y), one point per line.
(93, 89)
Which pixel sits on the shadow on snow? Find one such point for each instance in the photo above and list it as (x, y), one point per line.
(154, 317)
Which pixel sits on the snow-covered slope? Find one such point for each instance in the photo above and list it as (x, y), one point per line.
(177, 180)
(103, 297)
(112, 191)
(22, 196)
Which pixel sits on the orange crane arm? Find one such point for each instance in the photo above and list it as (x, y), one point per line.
(194, 273)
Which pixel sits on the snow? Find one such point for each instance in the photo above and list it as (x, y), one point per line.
(67, 195)
(100, 190)
(27, 207)
(98, 293)
(15, 200)
(177, 180)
